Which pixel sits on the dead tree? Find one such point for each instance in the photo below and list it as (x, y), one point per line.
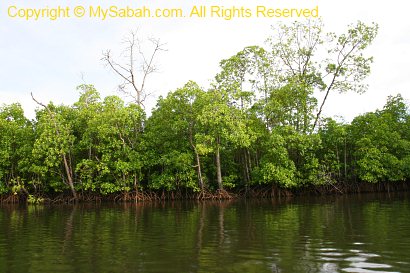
(137, 68)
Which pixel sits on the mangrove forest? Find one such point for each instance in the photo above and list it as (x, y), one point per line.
(256, 130)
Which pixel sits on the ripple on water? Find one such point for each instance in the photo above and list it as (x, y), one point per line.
(369, 255)
(362, 270)
(360, 263)
(370, 265)
(330, 254)
(355, 259)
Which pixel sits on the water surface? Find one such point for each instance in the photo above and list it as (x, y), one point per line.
(361, 233)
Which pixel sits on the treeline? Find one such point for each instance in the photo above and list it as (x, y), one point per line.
(258, 125)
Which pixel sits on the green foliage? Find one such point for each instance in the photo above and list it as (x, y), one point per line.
(276, 166)
(16, 144)
(34, 200)
(177, 172)
(334, 153)
(382, 143)
(170, 141)
(110, 136)
(291, 105)
(322, 61)
(54, 142)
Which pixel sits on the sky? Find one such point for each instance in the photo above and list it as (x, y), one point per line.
(52, 57)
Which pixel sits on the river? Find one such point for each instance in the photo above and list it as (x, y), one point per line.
(358, 233)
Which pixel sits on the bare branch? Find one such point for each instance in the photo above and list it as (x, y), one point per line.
(128, 72)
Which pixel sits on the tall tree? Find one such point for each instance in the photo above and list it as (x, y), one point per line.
(225, 125)
(112, 138)
(55, 142)
(238, 81)
(170, 139)
(326, 62)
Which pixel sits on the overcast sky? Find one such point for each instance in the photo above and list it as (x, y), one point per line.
(50, 58)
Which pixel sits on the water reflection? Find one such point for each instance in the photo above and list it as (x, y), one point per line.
(361, 262)
(322, 235)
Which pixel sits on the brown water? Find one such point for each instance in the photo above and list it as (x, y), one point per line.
(366, 233)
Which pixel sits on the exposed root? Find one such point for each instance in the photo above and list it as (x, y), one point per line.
(223, 194)
(257, 192)
(268, 192)
(204, 195)
(9, 199)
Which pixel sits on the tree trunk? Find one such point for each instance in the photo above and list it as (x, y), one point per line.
(198, 160)
(246, 167)
(198, 163)
(69, 177)
(345, 160)
(218, 167)
(136, 182)
(338, 164)
(249, 164)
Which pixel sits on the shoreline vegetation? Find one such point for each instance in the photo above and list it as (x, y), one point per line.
(257, 192)
(257, 131)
